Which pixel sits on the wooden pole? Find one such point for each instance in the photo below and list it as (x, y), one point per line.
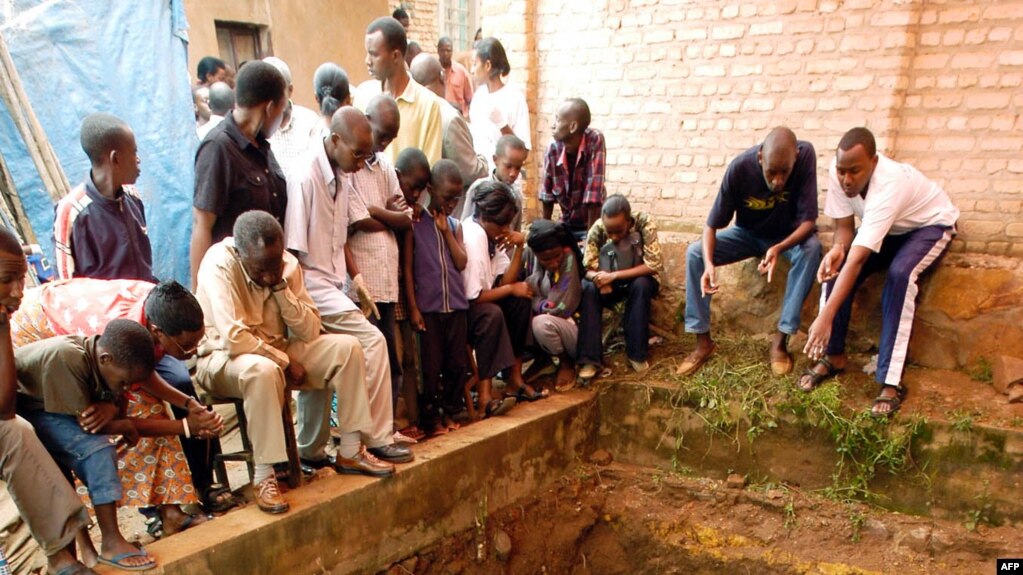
(31, 131)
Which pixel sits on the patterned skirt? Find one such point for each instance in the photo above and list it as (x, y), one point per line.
(154, 471)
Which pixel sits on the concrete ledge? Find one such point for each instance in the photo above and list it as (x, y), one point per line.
(348, 524)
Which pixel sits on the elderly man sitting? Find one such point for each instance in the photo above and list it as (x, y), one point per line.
(263, 332)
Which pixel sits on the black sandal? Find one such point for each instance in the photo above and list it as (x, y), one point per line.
(816, 379)
(499, 406)
(894, 403)
(217, 498)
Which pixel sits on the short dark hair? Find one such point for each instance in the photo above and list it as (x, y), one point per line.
(495, 202)
(209, 65)
(255, 229)
(445, 171)
(9, 243)
(616, 204)
(392, 31)
(221, 98)
(859, 137)
(129, 344)
(330, 83)
(444, 40)
(490, 49)
(399, 13)
(258, 83)
(412, 159)
(100, 134)
(173, 308)
(581, 110)
(509, 141)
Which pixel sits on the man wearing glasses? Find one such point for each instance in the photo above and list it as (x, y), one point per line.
(171, 314)
(316, 231)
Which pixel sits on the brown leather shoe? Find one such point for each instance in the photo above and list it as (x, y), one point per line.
(269, 498)
(363, 464)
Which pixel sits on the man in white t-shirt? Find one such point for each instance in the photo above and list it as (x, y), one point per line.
(906, 222)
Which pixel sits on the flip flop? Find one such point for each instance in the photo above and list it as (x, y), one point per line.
(524, 395)
(691, 365)
(400, 437)
(499, 406)
(816, 379)
(75, 568)
(895, 403)
(116, 560)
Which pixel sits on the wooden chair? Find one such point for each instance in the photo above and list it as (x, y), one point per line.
(245, 454)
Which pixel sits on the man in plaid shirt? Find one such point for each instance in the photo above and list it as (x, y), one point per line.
(574, 169)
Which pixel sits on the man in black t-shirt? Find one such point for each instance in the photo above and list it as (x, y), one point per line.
(771, 189)
(235, 170)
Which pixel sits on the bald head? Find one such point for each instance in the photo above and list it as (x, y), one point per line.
(777, 157)
(382, 112)
(426, 71)
(221, 98)
(348, 122)
(350, 141)
(780, 139)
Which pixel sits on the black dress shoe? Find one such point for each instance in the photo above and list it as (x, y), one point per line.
(317, 464)
(392, 453)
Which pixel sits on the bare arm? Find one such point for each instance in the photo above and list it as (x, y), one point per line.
(409, 281)
(709, 283)
(353, 268)
(202, 239)
(8, 375)
(392, 219)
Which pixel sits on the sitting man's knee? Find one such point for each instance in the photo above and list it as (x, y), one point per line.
(264, 375)
(694, 252)
(643, 286)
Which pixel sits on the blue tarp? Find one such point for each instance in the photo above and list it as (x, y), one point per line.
(123, 57)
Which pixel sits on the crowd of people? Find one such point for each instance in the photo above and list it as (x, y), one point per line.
(374, 250)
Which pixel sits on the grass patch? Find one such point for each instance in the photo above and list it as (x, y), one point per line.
(739, 397)
(981, 371)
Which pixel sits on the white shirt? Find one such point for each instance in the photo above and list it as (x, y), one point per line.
(316, 228)
(899, 200)
(510, 101)
(291, 143)
(204, 129)
(480, 269)
(466, 209)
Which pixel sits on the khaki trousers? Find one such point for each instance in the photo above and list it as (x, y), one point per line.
(45, 499)
(314, 406)
(331, 362)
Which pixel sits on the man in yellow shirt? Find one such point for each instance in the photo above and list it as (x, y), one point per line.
(420, 109)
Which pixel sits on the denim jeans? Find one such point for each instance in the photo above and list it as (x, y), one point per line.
(637, 293)
(735, 244)
(92, 457)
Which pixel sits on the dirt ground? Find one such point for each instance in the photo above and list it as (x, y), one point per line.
(748, 524)
(615, 518)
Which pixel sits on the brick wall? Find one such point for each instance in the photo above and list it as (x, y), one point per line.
(424, 21)
(680, 87)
